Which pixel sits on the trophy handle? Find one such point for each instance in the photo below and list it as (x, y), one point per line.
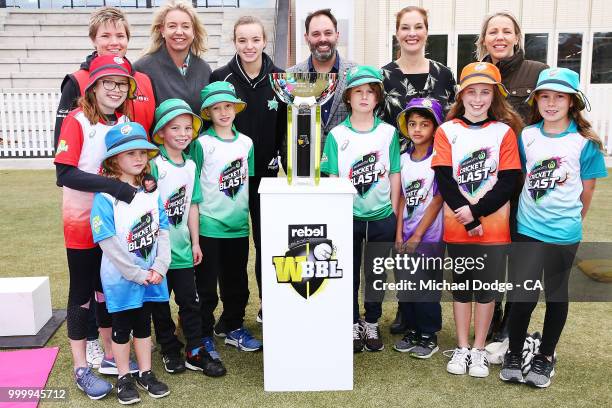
(289, 144)
(318, 146)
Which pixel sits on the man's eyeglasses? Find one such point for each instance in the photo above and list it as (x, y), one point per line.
(111, 85)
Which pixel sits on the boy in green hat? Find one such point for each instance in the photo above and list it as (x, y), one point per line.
(365, 150)
(224, 158)
(178, 183)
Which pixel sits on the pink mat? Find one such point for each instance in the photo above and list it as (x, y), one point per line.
(24, 369)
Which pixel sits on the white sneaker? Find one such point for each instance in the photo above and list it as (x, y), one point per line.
(95, 354)
(459, 361)
(478, 365)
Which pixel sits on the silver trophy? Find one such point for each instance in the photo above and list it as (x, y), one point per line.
(304, 93)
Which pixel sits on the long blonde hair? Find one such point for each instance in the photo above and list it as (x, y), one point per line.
(200, 37)
(481, 50)
(500, 110)
(583, 125)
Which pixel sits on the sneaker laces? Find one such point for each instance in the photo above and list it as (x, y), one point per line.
(243, 334)
(540, 364)
(88, 378)
(209, 347)
(371, 330)
(478, 357)
(514, 360)
(458, 355)
(357, 330)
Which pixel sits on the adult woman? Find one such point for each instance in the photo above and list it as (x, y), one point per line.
(109, 32)
(173, 60)
(500, 43)
(264, 120)
(413, 76)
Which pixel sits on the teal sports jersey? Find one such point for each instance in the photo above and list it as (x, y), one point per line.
(179, 187)
(137, 226)
(224, 167)
(555, 165)
(367, 159)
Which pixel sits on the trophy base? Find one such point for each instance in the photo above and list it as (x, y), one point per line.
(303, 181)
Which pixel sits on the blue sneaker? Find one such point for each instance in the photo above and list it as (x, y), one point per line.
(209, 346)
(109, 367)
(94, 387)
(243, 340)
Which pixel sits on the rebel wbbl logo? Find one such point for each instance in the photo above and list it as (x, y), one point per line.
(175, 206)
(142, 236)
(415, 194)
(365, 173)
(309, 261)
(474, 170)
(232, 178)
(544, 176)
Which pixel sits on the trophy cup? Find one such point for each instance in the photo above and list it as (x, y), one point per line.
(304, 93)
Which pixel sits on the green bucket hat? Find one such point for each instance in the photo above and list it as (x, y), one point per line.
(170, 109)
(363, 74)
(220, 91)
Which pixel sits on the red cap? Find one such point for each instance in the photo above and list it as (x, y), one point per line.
(108, 65)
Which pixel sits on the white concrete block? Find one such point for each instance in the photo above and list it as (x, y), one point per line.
(25, 305)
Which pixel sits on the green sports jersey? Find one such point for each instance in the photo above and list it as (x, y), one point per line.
(367, 159)
(224, 166)
(178, 187)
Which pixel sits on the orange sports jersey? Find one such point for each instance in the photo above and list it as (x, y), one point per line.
(476, 155)
(81, 145)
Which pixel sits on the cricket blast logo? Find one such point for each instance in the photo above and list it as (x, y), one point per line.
(142, 236)
(415, 195)
(175, 206)
(474, 170)
(232, 178)
(366, 172)
(309, 260)
(544, 177)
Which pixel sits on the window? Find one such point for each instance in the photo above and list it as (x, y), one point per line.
(435, 49)
(601, 67)
(536, 47)
(466, 51)
(569, 51)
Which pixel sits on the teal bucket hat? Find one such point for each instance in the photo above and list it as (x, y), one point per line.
(560, 80)
(125, 137)
(170, 109)
(220, 91)
(363, 74)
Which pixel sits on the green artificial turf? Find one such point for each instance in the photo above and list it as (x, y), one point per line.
(31, 244)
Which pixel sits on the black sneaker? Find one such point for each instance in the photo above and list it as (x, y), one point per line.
(541, 371)
(174, 363)
(426, 346)
(202, 361)
(398, 326)
(407, 343)
(148, 382)
(358, 342)
(126, 390)
(219, 330)
(511, 368)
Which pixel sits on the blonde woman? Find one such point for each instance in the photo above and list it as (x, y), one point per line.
(173, 60)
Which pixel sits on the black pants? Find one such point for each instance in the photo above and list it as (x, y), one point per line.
(255, 210)
(381, 232)
(225, 262)
(182, 283)
(135, 321)
(533, 259)
(84, 270)
(474, 264)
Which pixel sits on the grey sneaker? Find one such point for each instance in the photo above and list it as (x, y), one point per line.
(541, 371)
(426, 346)
(93, 386)
(511, 368)
(407, 343)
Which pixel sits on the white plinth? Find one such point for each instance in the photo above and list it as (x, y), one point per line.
(308, 342)
(25, 305)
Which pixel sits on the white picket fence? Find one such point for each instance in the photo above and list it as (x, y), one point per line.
(27, 121)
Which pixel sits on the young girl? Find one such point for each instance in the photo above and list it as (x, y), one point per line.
(476, 163)
(224, 158)
(136, 253)
(419, 225)
(78, 158)
(561, 156)
(366, 150)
